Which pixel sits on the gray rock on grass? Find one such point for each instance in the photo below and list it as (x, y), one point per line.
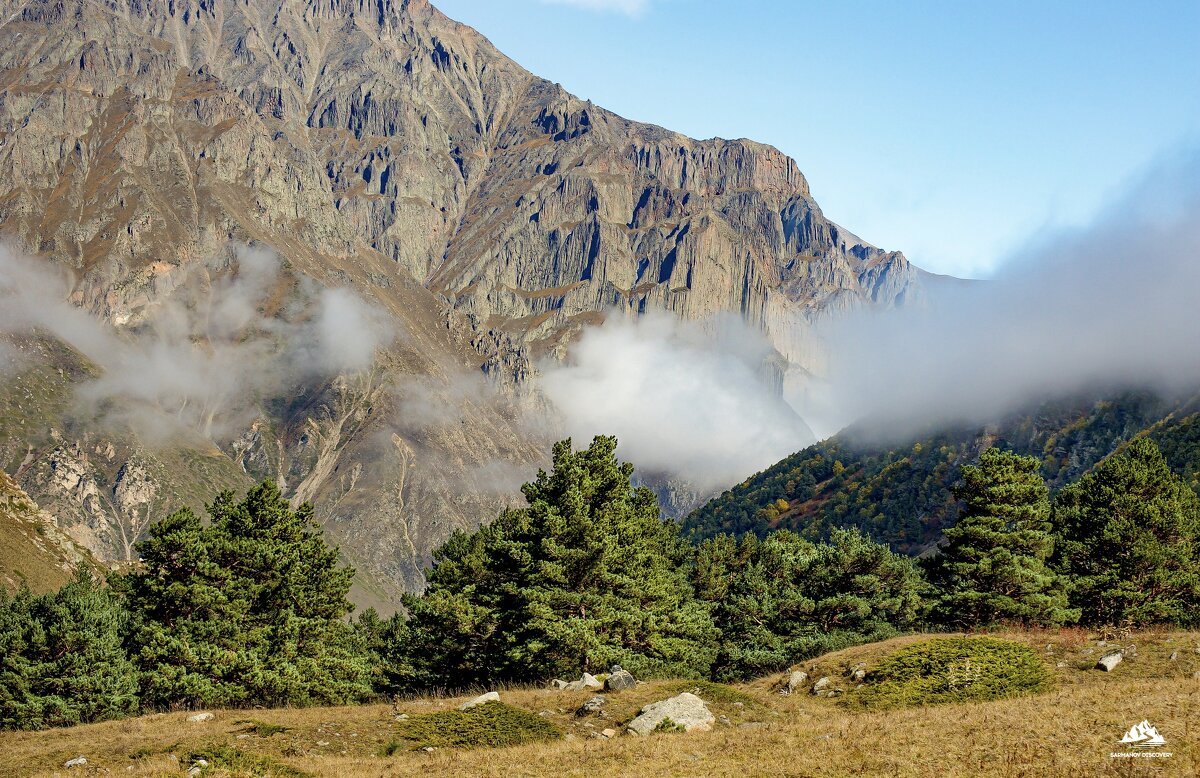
(480, 700)
(619, 680)
(684, 710)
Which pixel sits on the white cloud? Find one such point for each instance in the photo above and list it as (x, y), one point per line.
(684, 399)
(628, 7)
(208, 353)
(1108, 307)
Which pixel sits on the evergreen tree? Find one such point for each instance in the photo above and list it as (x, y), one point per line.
(993, 565)
(586, 575)
(783, 599)
(61, 659)
(247, 611)
(1130, 541)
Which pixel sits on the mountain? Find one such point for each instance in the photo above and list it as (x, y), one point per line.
(901, 493)
(377, 146)
(34, 551)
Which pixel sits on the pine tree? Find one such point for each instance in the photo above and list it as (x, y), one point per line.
(783, 599)
(993, 565)
(61, 658)
(586, 575)
(1130, 541)
(249, 610)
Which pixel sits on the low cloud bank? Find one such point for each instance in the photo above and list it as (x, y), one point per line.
(209, 352)
(686, 399)
(1111, 306)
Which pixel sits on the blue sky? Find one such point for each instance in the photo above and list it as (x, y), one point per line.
(954, 131)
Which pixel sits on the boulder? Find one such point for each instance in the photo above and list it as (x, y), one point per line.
(1109, 661)
(619, 680)
(591, 707)
(793, 681)
(78, 761)
(480, 700)
(200, 717)
(685, 710)
(586, 682)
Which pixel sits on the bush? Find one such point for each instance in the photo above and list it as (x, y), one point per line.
(61, 660)
(942, 670)
(490, 725)
(225, 759)
(783, 599)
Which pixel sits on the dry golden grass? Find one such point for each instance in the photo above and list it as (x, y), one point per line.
(1067, 732)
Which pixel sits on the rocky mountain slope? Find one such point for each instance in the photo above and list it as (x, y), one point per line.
(380, 146)
(34, 551)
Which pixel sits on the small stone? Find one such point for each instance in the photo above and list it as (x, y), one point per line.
(739, 705)
(480, 700)
(558, 683)
(545, 713)
(1109, 661)
(821, 684)
(1102, 642)
(724, 720)
(859, 675)
(402, 717)
(200, 717)
(429, 749)
(608, 733)
(322, 743)
(78, 761)
(619, 681)
(1061, 664)
(1174, 655)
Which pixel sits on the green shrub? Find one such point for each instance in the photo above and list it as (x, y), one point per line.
(262, 728)
(958, 669)
(667, 725)
(228, 759)
(490, 725)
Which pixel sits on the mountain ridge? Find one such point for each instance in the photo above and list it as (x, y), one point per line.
(381, 147)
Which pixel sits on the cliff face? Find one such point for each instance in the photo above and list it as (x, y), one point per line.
(378, 145)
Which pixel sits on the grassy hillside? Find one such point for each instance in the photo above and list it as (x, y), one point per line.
(33, 550)
(1069, 730)
(901, 494)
